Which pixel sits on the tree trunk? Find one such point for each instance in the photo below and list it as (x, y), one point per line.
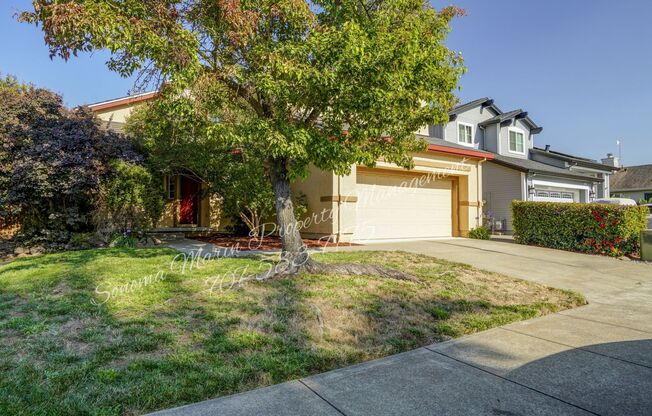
(294, 254)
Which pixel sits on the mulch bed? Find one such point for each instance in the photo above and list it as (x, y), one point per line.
(246, 243)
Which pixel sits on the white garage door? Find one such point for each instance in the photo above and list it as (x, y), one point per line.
(556, 195)
(390, 208)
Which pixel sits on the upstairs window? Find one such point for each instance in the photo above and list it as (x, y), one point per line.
(516, 141)
(465, 133)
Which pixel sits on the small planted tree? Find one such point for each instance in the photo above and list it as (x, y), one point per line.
(329, 82)
(130, 198)
(177, 133)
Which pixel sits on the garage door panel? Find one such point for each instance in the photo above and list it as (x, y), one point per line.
(389, 208)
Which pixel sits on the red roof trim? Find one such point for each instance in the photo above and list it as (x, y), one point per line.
(462, 152)
(119, 102)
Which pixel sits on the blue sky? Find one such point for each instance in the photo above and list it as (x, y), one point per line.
(581, 68)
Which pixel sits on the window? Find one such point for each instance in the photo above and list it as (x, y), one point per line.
(647, 196)
(543, 194)
(555, 195)
(516, 141)
(172, 187)
(465, 133)
(567, 195)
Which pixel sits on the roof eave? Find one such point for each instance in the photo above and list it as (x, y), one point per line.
(576, 161)
(547, 173)
(477, 154)
(630, 189)
(568, 176)
(120, 102)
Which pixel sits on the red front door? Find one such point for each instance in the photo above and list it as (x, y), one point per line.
(189, 208)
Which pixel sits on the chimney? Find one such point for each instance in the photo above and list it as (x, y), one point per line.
(547, 148)
(611, 160)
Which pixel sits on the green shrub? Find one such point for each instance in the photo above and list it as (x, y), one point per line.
(124, 241)
(480, 233)
(131, 199)
(81, 240)
(590, 228)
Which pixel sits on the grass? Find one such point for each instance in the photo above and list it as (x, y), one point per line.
(99, 332)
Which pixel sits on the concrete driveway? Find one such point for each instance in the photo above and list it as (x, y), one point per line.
(591, 360)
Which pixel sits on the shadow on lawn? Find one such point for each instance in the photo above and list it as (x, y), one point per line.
(174, 344)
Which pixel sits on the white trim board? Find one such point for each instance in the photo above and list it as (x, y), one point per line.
(536, 182)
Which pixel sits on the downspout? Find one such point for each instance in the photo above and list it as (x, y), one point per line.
(479, 193)
(498, 139)
(339, 208)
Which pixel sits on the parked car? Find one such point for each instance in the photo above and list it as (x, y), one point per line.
(616, 201)
(649, 217)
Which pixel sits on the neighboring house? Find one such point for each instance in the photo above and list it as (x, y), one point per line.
(519, 170)
(633, 182)
(440, 197)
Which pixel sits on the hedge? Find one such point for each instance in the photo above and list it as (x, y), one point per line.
(590, 228)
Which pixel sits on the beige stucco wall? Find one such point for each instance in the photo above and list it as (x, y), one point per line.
(118, 114)
(319, 188)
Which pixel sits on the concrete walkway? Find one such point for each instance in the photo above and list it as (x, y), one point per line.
(591, 360)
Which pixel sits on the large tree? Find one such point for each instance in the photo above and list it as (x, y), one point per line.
(329, 82)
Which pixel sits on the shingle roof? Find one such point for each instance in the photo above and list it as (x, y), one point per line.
(581, 161)
(527, 165)
(632, 178)
(442, 142)
(565, 155)
(467, 106)
(501, 117)
(460, 149)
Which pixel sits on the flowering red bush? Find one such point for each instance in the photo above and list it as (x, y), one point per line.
(591, 228)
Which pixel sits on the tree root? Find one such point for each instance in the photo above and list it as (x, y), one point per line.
(346, 269)
(358, 269)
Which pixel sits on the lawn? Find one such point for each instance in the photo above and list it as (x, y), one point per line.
(100, 332)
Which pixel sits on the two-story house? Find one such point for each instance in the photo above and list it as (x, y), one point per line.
(519, 170)
(439, 197)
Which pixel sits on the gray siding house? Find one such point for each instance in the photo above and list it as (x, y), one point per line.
(633, 182)
(520, 170)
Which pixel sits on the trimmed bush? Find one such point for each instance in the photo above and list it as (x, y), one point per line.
(590, 228)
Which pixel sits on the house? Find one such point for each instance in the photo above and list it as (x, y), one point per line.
(633, 182)
(519, 170)
(440, 197)
(185, 209)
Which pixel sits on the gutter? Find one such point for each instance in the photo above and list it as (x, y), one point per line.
(479, 154)
(119, 102)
